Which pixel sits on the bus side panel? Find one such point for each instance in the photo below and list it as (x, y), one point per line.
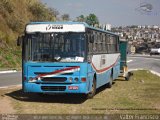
(106, 66)
(90, 75)
(116, 70)
(103, 78)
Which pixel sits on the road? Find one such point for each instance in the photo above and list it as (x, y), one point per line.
(8, 79)
(144, 63)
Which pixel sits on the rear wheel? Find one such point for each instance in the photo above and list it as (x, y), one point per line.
(93, 90)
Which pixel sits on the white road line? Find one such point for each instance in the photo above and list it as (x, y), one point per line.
(154, 72)
(8, 71)
(129, 61)
(10, 86)
(145, 58)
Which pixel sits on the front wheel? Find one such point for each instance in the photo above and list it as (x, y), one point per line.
(93, 90)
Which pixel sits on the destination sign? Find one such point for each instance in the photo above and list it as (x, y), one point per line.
(51, 26)
(46, 28)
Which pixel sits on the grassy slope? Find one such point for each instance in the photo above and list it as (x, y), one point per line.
(14, 14)
(140, 95)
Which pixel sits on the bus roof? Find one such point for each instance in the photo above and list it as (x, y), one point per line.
(57, 27)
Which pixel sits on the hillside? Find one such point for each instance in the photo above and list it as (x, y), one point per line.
(14, 14)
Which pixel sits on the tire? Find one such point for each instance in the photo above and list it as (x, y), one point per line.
(127, 78)
(109, 85)
(93, 91)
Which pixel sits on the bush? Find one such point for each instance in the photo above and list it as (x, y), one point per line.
(40, 12)
(6, 5)
(15, 23)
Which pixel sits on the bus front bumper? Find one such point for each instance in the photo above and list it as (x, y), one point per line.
(55, 88)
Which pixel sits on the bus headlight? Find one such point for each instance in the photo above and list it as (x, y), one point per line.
(32, 79)
(70, 79)
(76, 79)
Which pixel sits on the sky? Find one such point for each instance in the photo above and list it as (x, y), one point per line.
(114, 12)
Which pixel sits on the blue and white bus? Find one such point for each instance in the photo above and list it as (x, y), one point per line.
(68, 57)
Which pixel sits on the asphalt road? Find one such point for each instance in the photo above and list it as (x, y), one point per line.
(8, 79)
(144, 63)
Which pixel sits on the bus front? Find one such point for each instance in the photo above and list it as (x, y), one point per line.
(54, 58)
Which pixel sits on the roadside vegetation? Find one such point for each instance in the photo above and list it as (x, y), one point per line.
(14, 15)
(140, 95)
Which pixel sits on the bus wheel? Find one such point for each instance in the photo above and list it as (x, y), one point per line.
(109, 85)
(93, 90)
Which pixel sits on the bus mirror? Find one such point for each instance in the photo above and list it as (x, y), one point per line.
(19, 40)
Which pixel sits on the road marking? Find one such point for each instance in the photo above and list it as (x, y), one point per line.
(8, 71)
(157, 59)
(154, 72)
(145, 58)
(129, 61)
(10, 86)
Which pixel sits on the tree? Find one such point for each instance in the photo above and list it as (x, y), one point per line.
(81, 18)
(65, 17)
(54, 12)
(92, 20)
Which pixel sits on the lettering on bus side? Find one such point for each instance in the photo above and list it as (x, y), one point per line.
(51, 27)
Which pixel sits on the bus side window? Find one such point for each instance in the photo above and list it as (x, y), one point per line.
(103, 44)
(95, 45)
(117, 39)
(109, 44)
(106, 40)
(89, 43)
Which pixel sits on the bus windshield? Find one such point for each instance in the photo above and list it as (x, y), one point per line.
(55, 47)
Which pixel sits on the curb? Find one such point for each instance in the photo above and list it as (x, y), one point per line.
(8, 71)
(10, 86)
(156, 73)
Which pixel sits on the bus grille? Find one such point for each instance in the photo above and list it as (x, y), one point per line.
(54, 79)
(53, 88)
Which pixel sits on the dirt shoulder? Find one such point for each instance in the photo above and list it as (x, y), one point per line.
(6, 105)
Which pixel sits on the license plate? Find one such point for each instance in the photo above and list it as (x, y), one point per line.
(73, 87)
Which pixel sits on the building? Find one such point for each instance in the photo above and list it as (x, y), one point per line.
(107, 27)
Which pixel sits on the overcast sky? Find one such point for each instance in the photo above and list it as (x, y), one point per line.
(115, 12)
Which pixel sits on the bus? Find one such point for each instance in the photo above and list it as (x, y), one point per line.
(68, 57)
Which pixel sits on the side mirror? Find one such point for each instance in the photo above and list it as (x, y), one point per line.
(19, 40)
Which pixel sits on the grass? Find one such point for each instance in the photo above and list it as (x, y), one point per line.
(10, 58)
(140, 95)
